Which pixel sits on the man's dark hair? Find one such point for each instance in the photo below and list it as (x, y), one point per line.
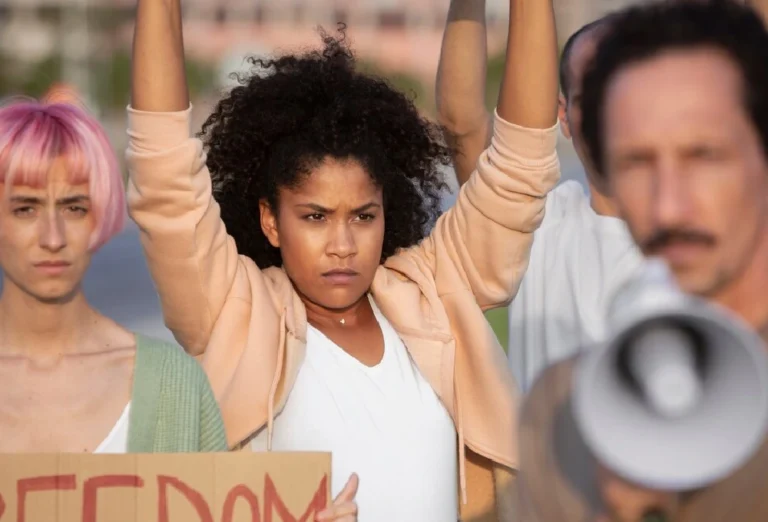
(643, 32)
(565, 55)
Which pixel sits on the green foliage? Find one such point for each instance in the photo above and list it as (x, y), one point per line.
(494, 75)
(102, 18)
(409, 85)
(499, 320)
(112, 84)
(201, 77)
(401, 81)
(7, 76)
(39, 77)
(110, 78)
(49, 14)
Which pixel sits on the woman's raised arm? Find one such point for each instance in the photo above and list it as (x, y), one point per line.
(190, 256)
(483, 243)
(158, 77)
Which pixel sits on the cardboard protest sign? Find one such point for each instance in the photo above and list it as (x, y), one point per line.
(194, 487)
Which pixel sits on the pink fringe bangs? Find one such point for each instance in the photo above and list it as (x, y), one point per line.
(33, 135)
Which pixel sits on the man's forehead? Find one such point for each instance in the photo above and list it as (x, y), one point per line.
(688, 71)
(686, 93)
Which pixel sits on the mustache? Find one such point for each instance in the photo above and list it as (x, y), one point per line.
(666, 237)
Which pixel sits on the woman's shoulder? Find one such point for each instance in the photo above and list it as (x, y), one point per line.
(172, 388)
(165, 348)
(157, 355)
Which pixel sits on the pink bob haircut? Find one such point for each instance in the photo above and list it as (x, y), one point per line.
(33, 135)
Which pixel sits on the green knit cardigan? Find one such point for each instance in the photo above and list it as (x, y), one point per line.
(172, 406)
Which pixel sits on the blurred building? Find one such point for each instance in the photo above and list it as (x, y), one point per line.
(404, 34)
(369, 13)
(396, 35)
(401, 35)
(27, 26)
(31, 29)
(573, 14)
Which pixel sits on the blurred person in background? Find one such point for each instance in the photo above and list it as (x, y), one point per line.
(62, 93)
(74, 381)
(582, 252)
(675, 117)
(288, 250)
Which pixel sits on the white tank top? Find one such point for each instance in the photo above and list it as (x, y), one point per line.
(384, 423)
(117, 439)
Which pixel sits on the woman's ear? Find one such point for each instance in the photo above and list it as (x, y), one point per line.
(269, 223)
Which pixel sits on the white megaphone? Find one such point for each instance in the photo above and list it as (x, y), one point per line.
(677, 398)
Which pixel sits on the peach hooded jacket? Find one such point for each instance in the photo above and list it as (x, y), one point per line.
(248, 325)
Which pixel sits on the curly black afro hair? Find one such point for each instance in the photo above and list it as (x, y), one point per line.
(288, 114)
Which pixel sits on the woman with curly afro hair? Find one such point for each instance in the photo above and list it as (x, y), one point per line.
(296, 251)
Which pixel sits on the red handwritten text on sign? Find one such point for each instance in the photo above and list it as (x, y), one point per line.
(272, 500)
(186, 493)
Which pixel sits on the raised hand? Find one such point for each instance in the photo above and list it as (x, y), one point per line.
(344, 508)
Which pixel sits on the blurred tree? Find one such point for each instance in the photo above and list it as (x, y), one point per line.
(48, 13)
(201, 77)
(35, 80)
(401, 81)
(7, 76)
(110, 76)
(112, 84)
(494, 74)
(112, 80)
(409, 84)
(109, 19)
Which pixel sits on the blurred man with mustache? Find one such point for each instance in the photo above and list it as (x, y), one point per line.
(675, 117)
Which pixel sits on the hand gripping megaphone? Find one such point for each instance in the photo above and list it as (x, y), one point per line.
(677, 398)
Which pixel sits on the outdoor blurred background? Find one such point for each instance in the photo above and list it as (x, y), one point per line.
(83, 46)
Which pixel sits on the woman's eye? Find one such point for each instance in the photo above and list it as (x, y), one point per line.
(80, 211)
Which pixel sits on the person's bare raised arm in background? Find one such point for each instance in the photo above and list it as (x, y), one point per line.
(460, 92)
(582, 252)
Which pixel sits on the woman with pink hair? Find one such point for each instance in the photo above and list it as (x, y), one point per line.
(74, 380)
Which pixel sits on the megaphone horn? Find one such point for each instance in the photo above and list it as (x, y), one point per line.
(677, 398)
